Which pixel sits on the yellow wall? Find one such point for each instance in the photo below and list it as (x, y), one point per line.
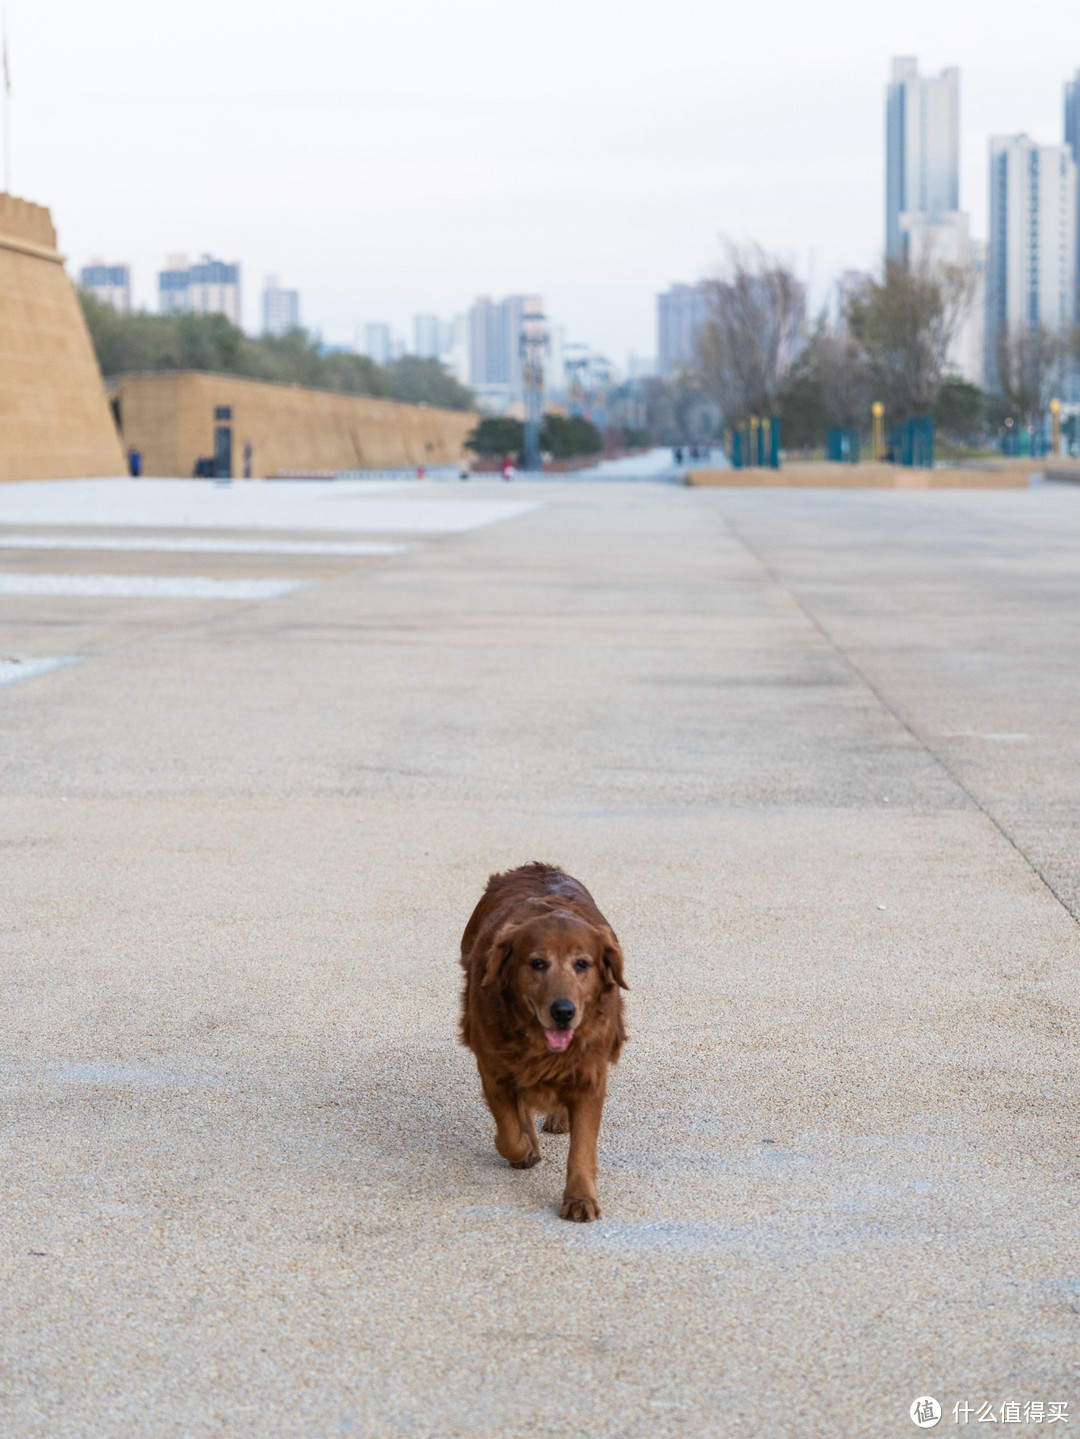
(54, 418)
(169, 416)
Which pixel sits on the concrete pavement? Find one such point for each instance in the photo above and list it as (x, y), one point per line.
(816, 756)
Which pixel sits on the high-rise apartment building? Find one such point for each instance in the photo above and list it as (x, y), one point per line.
(1072, 139)
(495, 330)
(922, 159)
(109, 284)
(280, 308)
(378, 343)
(209, 287)
(1032, 232)
(443, 340)
(1031, 277)
(681, 313)
(173, 283)
(427, 336)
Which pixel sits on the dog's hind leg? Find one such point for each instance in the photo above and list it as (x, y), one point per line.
(557, 1121)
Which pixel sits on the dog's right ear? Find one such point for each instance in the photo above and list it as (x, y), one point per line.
(499, 951)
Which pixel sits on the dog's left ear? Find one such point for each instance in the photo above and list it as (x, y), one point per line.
(499, 952)
(613, 960)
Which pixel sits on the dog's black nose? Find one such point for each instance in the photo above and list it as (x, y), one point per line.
(563, 1011)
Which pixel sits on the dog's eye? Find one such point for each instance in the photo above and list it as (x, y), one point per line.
(581, 965)
(539, 963)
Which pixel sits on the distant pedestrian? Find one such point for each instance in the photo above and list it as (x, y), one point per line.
(508, 467)
(678, 454)
(134, 458)
(420, 472)
(249, 451)
(465, 468)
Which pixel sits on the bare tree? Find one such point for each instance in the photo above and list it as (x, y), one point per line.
(905, 325)
(753, 333)
(1029, 365)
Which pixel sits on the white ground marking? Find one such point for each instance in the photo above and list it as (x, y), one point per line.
(379, 507)
(14, 668)
(149, 587)
(198, 546)
(979, 734)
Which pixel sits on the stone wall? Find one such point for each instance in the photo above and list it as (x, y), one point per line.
(54, 417)
(169, 417)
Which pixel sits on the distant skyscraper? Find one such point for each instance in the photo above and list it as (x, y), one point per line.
(110, 284)
(922, 122)
(427, 337)
(378, 343)
(1031, 274)
(485, 349)
(281, 308)
(680, 314)
(1072, 139)
(209, 287)
(173, 285)
(495, 341)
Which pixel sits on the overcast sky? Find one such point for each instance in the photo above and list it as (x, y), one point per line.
(390, 157)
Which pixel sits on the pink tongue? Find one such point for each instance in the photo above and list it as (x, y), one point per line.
(558, 1038)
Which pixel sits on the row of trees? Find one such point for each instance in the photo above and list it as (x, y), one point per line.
(141, 341)
(758, 354)
(563, 436)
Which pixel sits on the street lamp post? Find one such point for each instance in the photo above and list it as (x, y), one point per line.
(877, 409)
(534, 341)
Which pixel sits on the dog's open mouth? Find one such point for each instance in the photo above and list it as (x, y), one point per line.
(558, 1038)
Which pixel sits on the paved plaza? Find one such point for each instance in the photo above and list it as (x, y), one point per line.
(817, 754)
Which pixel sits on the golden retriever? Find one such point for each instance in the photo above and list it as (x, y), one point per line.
(542, 1013)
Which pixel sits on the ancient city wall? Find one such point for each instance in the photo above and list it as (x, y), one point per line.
(169, 417)
(54, 417)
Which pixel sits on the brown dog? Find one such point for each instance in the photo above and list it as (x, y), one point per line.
(543, 1014)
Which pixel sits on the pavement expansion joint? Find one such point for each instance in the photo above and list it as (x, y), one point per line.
(908, 725)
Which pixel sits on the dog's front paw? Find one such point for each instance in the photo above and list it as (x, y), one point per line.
(582, 1210)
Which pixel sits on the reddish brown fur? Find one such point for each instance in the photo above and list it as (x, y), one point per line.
(537, 938)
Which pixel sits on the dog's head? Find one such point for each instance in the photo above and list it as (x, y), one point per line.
(557, 966)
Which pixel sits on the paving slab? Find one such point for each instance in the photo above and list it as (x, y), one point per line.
(249, 1186)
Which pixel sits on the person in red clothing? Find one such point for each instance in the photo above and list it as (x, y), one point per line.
(508, 467)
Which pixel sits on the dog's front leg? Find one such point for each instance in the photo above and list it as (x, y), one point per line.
(579, 1198)
(516, 1143)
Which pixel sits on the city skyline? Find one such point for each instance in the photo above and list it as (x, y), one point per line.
(413, 186)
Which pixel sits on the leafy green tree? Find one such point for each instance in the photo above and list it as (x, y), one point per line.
(129, 343)
(568, 436)
(497, 435)
(426, 381)
(802, 411)
(960, 410)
